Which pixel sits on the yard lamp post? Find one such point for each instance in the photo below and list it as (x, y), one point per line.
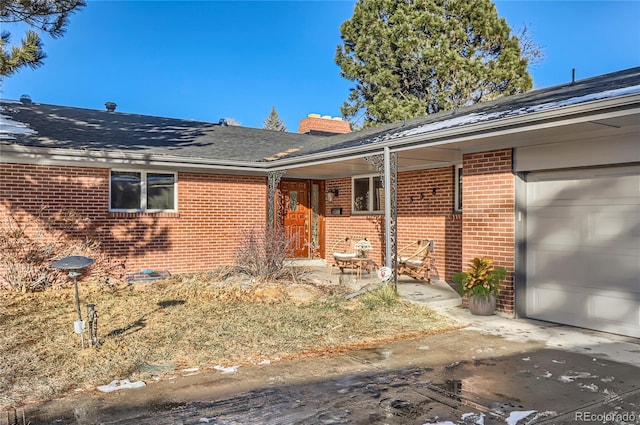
(75, 264)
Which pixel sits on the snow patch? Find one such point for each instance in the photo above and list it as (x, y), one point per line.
(516, 416)
(481, 117)
(477, 418)
(591, 387)
(230, 369)
(8, 126)
(122, 384)
(191, 369)
(572, 376)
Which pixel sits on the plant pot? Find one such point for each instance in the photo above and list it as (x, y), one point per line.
(482, 305)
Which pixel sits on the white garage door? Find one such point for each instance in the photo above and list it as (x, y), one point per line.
(583, 248)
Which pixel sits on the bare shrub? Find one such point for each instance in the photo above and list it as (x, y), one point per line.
(29, 245)
(263, 252)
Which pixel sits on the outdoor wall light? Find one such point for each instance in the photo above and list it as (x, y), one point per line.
(75, 264)
(331, 193)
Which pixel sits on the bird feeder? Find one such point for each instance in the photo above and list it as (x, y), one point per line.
(75, 265)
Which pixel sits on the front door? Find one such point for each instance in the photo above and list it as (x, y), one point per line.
(297, 215)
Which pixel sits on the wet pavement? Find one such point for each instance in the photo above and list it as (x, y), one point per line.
(495, 371)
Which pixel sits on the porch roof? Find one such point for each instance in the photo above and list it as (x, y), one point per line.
(606, 105)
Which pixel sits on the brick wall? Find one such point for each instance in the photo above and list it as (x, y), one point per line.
(323, 124)
(488, 214)
(204, 233)
(214, 209)
(428, 215)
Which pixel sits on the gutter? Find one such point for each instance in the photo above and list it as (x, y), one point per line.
(85, 157)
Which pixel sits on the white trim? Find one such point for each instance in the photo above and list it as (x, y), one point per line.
(143, 191)
(369, 209)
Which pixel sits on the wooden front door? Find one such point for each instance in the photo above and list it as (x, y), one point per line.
(297, 215)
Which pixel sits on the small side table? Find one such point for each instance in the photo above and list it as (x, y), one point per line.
(363, 263)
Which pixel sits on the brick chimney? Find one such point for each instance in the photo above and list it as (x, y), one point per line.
(316, 125)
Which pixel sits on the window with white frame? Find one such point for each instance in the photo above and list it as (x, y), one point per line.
(457, 181)
(368, 194)
(136, 191)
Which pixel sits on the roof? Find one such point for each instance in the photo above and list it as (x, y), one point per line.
(50, 126)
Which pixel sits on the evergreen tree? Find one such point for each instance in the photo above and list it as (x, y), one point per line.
(410, 58)
(47, 16)
(273, 121)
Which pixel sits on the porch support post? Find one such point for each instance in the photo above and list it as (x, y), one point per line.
(389, 193)
(274, 178)
(387, 166)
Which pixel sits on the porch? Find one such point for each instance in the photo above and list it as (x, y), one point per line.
(437, 294)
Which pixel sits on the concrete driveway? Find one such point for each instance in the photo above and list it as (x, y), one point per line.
(495, 371)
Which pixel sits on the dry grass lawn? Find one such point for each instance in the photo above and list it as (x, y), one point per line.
(181, 323)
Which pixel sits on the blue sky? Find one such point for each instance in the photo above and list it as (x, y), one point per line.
(207, 60)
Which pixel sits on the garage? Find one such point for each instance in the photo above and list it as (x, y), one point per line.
(583, 248)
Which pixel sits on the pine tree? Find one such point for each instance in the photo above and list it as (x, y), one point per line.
(273, 121)
(411, 58)
(47, 16)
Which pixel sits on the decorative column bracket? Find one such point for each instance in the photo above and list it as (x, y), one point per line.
(273, 181)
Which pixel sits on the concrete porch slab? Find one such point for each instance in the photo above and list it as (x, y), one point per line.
(438, 294)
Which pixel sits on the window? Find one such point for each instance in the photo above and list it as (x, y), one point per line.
(142, 191)
(368, 194)
(457, 202)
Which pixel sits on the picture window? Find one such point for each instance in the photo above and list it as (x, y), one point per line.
(368, 194)
(143, 191)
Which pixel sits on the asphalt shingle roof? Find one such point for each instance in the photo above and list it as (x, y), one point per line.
(66, 127)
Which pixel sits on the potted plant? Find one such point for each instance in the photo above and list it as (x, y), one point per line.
(481, 283)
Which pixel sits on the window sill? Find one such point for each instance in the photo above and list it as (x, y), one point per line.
(129, 214)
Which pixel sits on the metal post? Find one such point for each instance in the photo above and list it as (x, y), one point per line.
(92, 318)
(74, 275)
(75, 264)
(387, 208)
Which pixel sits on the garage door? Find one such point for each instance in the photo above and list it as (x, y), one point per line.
(583, 248)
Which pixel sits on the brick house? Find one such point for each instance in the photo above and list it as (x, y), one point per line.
(546, 183)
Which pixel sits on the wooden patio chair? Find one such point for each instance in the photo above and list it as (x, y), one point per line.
(346, 257)
(343, 252)
(415, 260)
